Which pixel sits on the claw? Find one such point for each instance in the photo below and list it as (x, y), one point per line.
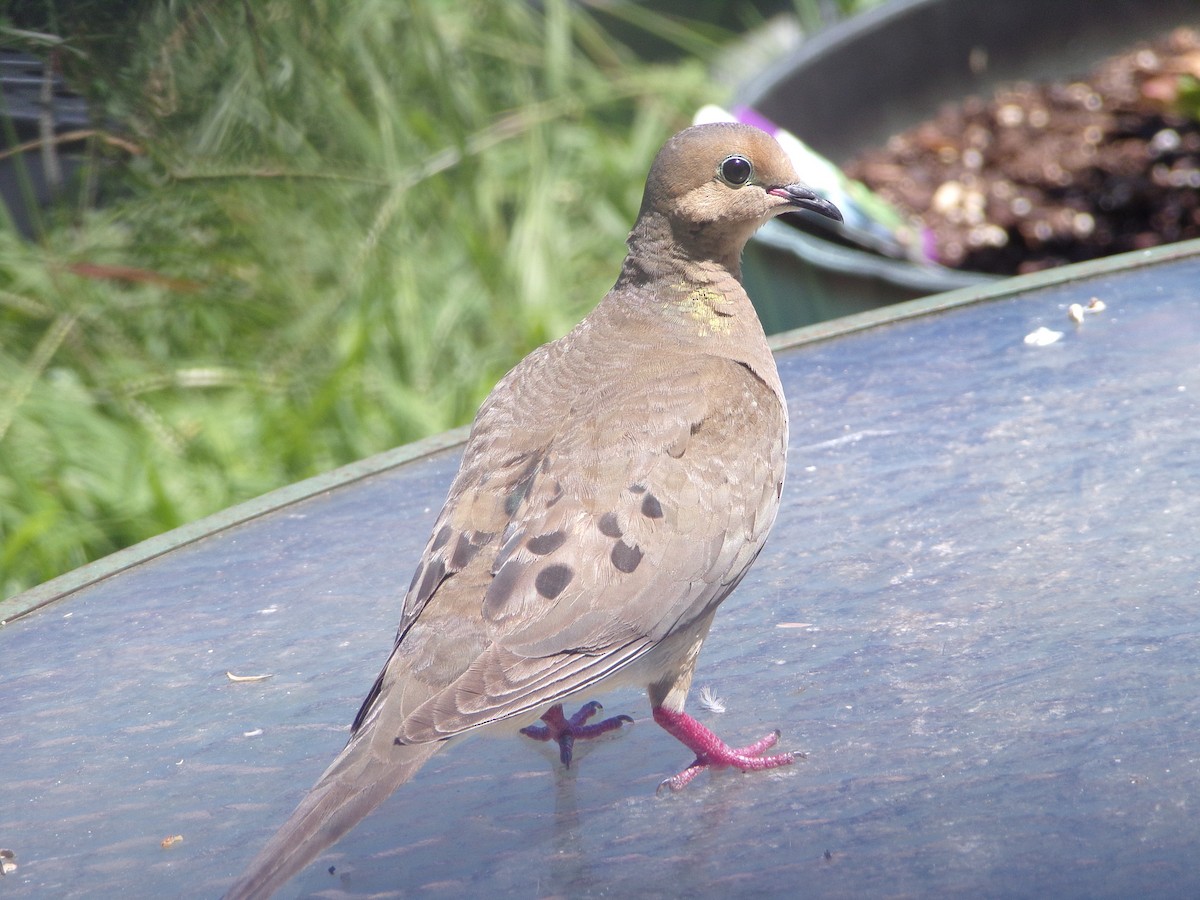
(566, 731)
(683, 779)
(712, 752)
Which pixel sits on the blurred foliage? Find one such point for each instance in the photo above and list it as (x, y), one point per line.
(328, 228)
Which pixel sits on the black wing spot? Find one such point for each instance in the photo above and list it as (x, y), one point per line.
(651, 508)
(625, 557)
(553, 580)
(609, 526)
(442, 536)
(465, 550)
(546, 543)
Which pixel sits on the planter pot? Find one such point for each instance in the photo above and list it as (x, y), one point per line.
(855, 85)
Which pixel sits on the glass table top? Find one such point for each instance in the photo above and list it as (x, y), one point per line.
(978, 615)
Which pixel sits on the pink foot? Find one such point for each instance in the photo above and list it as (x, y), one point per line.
(566, 731)
(712, 752)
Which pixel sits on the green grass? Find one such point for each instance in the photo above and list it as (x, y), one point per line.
(345, 221)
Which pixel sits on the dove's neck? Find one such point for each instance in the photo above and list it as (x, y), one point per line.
(690, 274)
(659, 252)
(685, 297)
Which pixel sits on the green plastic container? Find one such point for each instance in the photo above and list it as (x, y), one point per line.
(856, 84)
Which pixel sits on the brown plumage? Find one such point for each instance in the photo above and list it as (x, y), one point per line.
(616, 486)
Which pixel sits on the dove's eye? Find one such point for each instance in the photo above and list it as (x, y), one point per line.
(736, 170)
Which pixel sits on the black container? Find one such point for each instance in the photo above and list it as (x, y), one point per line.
(34, 107)
(855, 85)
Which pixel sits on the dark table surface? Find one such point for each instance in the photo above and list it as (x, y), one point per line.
(979, 615)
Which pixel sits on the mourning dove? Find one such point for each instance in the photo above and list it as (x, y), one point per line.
(616, 486)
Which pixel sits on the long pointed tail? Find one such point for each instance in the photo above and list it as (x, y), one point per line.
(362, 777)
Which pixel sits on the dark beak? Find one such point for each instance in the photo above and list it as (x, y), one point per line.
(803, 197)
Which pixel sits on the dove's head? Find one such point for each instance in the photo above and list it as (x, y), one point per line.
(717, 184)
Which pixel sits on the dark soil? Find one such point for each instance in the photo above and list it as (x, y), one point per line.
(1044, 174)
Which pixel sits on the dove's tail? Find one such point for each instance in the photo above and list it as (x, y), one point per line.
(362, 777)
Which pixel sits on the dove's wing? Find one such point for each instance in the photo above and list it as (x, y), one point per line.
(621, 514)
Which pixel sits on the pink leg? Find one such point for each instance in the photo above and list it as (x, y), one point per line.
(566, 731)
(712, 752)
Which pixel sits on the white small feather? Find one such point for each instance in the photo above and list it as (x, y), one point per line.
(710, 701)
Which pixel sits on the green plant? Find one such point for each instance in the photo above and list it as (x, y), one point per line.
(345, 222)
